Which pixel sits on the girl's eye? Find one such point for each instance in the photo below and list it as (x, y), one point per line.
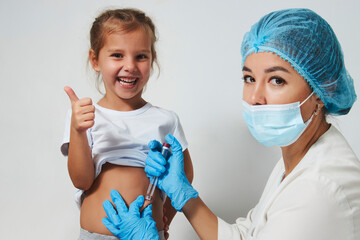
(277, 81)
(117, 55)
(248, 79)
(141, 56)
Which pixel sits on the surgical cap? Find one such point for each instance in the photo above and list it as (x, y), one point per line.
(308, 43)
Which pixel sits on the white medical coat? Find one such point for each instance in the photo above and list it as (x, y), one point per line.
(318, 200)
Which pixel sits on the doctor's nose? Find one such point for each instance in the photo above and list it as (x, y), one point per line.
(256, 95)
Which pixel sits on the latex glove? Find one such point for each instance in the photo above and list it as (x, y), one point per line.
(172, 179)
(129, 223)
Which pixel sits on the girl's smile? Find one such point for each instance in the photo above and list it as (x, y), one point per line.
(127, 82)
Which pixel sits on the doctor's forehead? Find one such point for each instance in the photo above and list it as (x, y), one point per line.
(266, 62)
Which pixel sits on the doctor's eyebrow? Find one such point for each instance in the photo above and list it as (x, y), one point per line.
(269, 70)
(276, 68)
(246, 69)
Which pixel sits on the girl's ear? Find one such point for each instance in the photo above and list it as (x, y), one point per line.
(93, 60)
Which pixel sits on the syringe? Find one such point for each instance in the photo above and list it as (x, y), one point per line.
(166, 152)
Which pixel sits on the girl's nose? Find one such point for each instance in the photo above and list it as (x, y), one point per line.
(130, 65)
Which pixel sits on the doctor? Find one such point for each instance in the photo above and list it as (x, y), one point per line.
(294, 75)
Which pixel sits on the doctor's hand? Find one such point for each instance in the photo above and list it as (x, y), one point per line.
(83, 111)
(129, 223)
(172, 179)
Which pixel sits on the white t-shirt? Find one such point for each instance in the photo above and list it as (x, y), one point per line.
(318, 200)
(122, 137)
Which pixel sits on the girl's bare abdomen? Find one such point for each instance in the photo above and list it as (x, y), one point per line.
(130, 182)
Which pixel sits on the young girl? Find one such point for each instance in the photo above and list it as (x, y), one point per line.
(106, 143)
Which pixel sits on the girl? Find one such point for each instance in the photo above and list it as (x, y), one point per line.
(106, 143)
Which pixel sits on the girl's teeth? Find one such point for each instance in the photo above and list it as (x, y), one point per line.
(127, 82)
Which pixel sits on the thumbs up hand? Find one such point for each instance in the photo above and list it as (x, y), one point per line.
(83, 111)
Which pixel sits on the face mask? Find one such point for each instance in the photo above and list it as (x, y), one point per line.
(275, 125)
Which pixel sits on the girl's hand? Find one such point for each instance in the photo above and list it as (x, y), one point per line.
(83, 111)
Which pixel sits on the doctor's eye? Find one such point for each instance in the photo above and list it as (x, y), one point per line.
(248, 79)
(277, 81)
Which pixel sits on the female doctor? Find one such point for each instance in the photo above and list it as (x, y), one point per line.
(294, 75)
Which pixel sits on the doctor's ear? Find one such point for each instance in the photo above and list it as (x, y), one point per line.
(319, 106)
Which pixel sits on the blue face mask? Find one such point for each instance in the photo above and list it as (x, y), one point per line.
(275, 125)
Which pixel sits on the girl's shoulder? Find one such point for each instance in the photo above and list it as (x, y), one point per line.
(162, 111)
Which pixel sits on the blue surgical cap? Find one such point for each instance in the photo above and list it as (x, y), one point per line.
(308, 43)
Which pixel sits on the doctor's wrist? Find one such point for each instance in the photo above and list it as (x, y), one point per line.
(180, 198)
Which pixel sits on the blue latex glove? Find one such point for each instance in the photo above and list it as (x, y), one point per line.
(172, 179)
(129, 223)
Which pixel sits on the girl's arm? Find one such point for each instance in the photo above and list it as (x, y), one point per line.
(189, 172)
(80, 165)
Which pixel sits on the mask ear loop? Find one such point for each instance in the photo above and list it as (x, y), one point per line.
(306, 99)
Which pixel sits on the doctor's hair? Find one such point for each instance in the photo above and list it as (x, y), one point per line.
(121, 21)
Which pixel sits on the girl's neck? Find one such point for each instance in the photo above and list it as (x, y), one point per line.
(294, 153)
(122, 104)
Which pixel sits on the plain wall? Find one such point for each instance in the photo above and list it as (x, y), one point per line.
(44, 46)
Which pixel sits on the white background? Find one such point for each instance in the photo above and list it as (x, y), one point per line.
(43, 47)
